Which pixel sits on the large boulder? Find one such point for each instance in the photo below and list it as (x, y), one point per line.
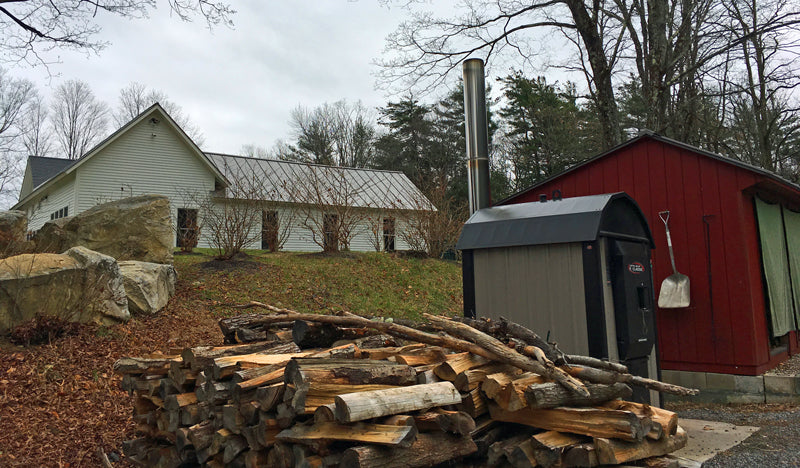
(148, 285)
(135, 228)
(79, 285)
(13, 229)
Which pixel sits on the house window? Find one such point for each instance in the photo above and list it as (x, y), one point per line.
(187, 232)
(330, 232)
(269, 230)
(62, 213)
(388, 234)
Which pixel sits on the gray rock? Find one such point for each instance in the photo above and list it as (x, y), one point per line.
(148, 285)
(79, 285)
(13, 227)
(135, 228)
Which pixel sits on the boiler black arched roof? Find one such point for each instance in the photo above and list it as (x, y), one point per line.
(577, 219)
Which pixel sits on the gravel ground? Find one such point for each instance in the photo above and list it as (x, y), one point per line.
(776, 444)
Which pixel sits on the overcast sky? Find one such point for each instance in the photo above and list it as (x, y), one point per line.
(239, 85)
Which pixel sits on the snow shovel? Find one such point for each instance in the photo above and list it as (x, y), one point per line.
(674, 292)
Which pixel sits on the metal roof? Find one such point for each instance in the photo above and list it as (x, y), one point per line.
(649, 134)
(577, 219)
(288, 181)
(43, 169)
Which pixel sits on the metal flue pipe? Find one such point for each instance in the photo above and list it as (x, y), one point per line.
(477, 133)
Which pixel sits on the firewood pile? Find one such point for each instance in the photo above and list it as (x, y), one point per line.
(311, 390)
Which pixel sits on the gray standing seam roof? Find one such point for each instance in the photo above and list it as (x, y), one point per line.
(43, 169)
(577, 219)
(277, 180)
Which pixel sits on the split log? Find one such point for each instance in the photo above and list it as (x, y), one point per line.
(281, 456)
(511, 397)
(664, 418)
(399, 436)
(325, 413)
(231, 364)
(233, 447)
(610, 452)
(501, 449)
(582, 455)
(456, 422)
(587, 421)
(473, 404)
(544, 449)
(200, 435)
(426, 375)
(276, 375)
(178, 401)
(425, 356)
(202, 356)
(472, 378)
(550, 395)
(181, 374)
(354, 407)
(389, 352)
(269, 396)
(428, 450)
(450, 369)
(349, 372)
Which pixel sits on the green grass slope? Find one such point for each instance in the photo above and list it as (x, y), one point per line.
(364, 283)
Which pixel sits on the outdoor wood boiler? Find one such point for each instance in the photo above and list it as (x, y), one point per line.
(577, 271)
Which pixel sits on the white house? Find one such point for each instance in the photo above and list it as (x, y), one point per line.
(299, 202)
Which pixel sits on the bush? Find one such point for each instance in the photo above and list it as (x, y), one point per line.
(42, 330)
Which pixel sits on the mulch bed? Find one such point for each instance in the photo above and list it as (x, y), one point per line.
(60, 402)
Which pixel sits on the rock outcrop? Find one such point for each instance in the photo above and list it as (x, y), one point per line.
(13, 227)
(148, 285)
(135, 228)
(79, 285)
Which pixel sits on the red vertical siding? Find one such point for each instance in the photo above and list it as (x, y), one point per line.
(731, 336)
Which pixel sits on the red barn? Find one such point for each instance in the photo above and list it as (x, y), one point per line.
(740, 319)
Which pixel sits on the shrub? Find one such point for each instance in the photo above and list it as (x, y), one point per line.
(42, 330)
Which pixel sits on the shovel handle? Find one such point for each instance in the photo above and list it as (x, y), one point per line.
(664, 215)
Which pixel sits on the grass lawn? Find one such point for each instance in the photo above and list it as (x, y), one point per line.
(60, 402)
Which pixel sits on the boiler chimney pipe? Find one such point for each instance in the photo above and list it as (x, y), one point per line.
(477, 134)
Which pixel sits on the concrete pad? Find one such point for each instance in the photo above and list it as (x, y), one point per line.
(708, 438)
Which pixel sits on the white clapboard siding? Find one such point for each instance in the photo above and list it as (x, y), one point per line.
(147, 159)
(56, 197)
(301, 239)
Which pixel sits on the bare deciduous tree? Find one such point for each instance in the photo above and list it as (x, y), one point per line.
(136, 98)
(37, 136)
(15, 95)
(435, 223)
(330, 206)
(671, 46)
(31, 28)
(79, 119)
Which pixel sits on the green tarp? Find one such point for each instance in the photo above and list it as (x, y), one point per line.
(776, 267)
(791, 224)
